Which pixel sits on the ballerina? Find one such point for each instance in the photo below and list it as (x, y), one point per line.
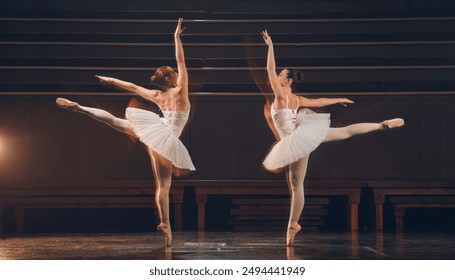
(300, 131)
(159, 134)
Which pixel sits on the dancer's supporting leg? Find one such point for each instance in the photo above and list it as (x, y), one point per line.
(162, 169)
(122, 125)
(297, 172)
(341, 133)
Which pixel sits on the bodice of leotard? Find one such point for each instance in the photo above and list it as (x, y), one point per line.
(175, 121)
(284, 119)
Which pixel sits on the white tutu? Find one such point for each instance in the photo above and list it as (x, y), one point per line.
(161, 134)
(310, 130)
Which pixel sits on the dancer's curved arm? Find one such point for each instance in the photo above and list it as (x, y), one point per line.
(280, 96)
(322, 102)
(149, 94)
(182, 80)
(276, 87)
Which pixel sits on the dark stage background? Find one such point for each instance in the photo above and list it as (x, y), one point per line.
(393, 58)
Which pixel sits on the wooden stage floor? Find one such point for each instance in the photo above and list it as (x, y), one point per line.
(232, 246)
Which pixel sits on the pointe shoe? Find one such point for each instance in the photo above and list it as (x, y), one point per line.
(292, 231)
(390, 124)
(67, 104)
(166, 230)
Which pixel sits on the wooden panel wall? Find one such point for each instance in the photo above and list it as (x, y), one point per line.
(227, 138)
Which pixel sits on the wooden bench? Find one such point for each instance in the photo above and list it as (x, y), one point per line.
(410, 194)
(349, 189)
(403, 202)
(272, 213)
(93, 194)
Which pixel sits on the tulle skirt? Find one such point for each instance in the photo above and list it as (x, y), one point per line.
(152, 131)
(311, 129)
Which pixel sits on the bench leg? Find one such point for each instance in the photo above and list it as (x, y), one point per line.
(354, 216)
(399, 216)
(177, 201)
(1, 220)
(201, 200)
(201, 216)
(2, 214)
(19, 214)
(379, 216)
(178, 216)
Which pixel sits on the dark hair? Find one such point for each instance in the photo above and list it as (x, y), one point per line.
(159, 78)
(296, 77)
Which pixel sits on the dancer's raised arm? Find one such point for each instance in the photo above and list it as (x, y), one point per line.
(141, 91)
(280, 96)
(182, 79)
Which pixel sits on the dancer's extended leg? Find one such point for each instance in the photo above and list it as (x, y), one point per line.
(341, 133)
(297, 172)
(162, 169)
(119, 124)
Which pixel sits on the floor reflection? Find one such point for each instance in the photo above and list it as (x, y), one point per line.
(233, 246)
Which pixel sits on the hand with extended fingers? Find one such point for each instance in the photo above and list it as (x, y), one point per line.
(104, 79)
(266, 37)
(179, 28)
(344, 101)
